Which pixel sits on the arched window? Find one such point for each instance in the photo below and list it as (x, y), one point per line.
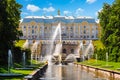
(32, 31)
(24, 26)
(84, 36)
(84, 31)
(84, 26)
(72, 50)
(64, 51)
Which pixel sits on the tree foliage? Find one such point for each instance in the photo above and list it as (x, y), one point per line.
(109, 18)
(9, 22)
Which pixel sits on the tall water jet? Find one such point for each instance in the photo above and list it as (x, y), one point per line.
(57, 51)
(56, 36)
(24, 59)
(10, 62)
(106, 58)
(96, 58)
(83, 57)
(10, 65)
(35, 51)
(90, 49)
(81, 48)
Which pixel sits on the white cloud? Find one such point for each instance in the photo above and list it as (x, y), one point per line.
(66, 12)
(33, 8)
(49, 9)
(21, 20)
(24, 13)
(90, 1)
(96, 13)
(79, 11)
(97, 21)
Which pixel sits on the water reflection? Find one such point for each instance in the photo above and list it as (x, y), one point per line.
(67, 72)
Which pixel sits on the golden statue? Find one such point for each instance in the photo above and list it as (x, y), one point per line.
(58, 12)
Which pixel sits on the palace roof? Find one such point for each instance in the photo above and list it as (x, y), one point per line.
(52, 19)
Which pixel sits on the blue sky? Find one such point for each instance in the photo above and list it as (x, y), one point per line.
(66, 7)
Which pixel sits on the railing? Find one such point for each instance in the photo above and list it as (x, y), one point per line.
(62, 38)
(111, 72)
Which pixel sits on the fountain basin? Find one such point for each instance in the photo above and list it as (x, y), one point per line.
(10, 75)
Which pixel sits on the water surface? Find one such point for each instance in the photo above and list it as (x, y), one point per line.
(68, 72)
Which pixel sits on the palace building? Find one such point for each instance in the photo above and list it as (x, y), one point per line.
(73, 30)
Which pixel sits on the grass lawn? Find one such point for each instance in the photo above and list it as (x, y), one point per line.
(20, 43)
(102, 64)
(23, 72)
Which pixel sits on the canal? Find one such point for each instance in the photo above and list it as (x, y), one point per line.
(68, 72)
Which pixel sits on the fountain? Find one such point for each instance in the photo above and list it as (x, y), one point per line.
(96, 61)
(57, 52)
(96, 58)
(10, 61)
(24, 60)
(89, 50)
(10, 65)
(26, 45)
(24, 63)
(70, 58)
(106, 58)
(83, 58)
(35, 51)
(107, 66)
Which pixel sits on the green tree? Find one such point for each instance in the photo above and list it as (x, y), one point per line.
(110, 23)
(9, 22)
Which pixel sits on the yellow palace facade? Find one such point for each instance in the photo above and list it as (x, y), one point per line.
(72, 28)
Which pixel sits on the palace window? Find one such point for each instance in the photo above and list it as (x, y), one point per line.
(84, 31)
(32, 31)
(63, 34)
(64, 51)
(24, 26)
(81, 36)
(92, 36)
(87, 36)
(72, 50)
(84, 26)
(45, 27)
(84, 36)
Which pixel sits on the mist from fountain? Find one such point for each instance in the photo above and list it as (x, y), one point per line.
(89, 50)
(34, 51)
(26, 45)
(71, 58)
(10, 61)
